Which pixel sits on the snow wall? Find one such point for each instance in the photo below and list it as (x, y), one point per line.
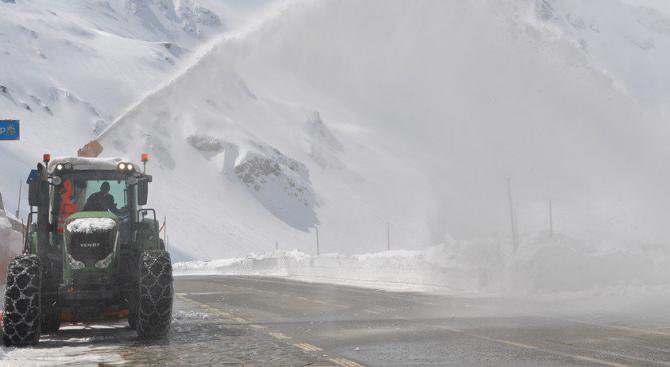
(543, 264)
(10, 241)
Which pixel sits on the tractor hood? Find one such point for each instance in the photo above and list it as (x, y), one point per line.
(91, 240)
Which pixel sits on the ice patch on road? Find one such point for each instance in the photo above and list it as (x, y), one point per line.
(188, 316)
(78, 356)
(72, 351)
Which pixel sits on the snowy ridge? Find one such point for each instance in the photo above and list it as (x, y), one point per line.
(73, 66)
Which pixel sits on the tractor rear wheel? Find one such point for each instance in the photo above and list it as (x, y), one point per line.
(155, 295)
(22, 314)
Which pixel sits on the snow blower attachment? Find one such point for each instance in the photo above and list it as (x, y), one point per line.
(92, 252)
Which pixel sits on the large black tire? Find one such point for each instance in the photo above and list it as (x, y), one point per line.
(155, 295)
(132, 320)
(22, 315)
(133, 300)
(50, 319)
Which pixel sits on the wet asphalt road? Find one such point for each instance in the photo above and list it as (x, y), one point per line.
(227, 320)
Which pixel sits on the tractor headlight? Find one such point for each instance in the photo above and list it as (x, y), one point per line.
(74, 263)
(104, 263)
(63, 166)
(125, 167)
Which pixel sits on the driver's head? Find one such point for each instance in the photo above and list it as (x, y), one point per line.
(105, 187)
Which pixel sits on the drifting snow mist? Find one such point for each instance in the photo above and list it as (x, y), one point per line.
(427, 107)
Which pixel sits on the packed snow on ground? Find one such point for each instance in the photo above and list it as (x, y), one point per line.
(91, 225)
(88, 346)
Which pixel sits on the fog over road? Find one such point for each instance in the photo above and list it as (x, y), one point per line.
(234, 320)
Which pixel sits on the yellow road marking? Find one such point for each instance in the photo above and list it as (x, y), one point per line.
(616, 327)
(279, 335)
(344, 362)
(534, 347)
(328, 303)
(308, 347)
(451, 329)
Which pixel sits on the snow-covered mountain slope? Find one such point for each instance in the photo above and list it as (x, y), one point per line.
(347, 115)
(68, 68)
(627, 39)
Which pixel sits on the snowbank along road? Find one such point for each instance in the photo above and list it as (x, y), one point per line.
(235, 320)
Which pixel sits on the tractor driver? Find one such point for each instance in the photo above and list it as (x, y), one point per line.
(101, 201)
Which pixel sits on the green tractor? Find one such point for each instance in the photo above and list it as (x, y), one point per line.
(92, 252)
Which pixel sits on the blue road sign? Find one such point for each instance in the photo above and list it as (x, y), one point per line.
(34, 174)
(10, 130)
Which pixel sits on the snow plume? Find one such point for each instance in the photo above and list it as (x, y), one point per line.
(347, 116)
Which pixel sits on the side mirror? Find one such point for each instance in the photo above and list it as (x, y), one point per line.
(142, 192)
(35, 193)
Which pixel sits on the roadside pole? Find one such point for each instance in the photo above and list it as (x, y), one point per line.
(18, 206)
(512, 216)
(318, 251)
(388, 236)
(551, 219)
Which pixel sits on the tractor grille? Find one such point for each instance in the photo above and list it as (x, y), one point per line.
(91, 247)
(91, 281)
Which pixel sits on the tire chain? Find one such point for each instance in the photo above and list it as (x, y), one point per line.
(155, 294)
(21, 319)
(50, 310)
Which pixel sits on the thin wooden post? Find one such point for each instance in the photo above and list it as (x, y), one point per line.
(551, 219)
(512, 216)
(18, 206)
(388, 236)
(318, 251)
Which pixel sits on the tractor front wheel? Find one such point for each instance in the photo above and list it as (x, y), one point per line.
(22, 314)
(51, 320)
(154, 312)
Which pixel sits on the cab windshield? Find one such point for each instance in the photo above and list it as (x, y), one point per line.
(91, 191)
